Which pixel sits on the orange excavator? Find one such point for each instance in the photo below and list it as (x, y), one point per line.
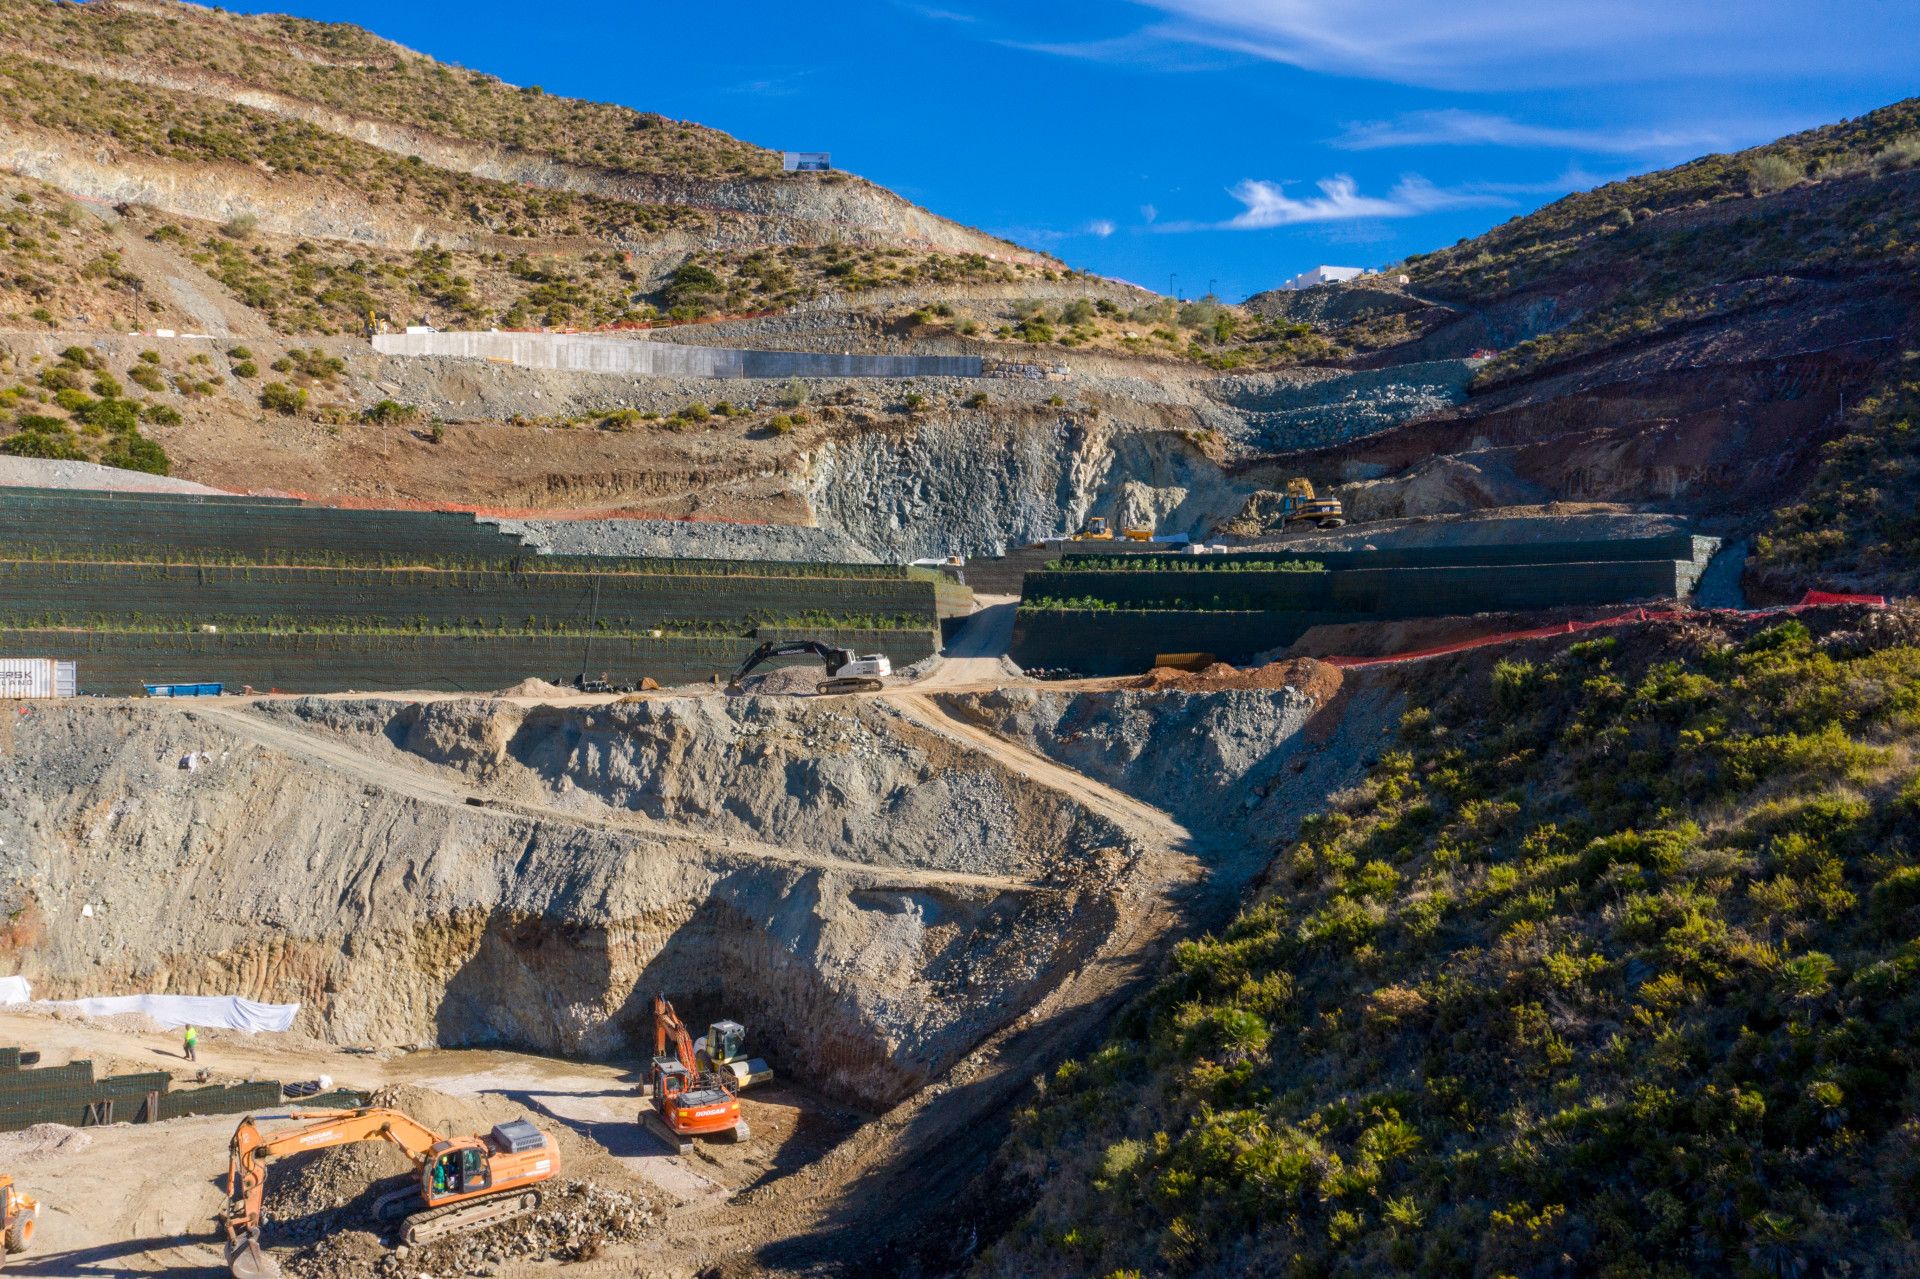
(691, 1098)
(19, 1214)
(463, 1182)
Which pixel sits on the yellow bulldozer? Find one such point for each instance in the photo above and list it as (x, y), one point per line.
(1098, 530)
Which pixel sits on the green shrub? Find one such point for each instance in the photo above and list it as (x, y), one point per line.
(281, 398)
(390, 413)
(246, 369)
(134, 452)
(161, 415)
(50, 445)
(111, 415)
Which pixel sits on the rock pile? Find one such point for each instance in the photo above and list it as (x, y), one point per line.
(319, 1207)
(577, 1221)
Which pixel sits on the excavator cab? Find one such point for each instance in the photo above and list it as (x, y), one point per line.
(462, 1171)
(726, 1040)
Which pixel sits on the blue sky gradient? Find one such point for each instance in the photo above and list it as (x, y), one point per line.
(1198, 143)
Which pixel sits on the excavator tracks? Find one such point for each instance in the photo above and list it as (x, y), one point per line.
(829, 687)
(426, 1227)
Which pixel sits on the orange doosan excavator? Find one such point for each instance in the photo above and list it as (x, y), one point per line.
(463, 1182)
(695, 1092)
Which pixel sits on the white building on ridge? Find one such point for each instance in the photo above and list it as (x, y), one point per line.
(1326, 275)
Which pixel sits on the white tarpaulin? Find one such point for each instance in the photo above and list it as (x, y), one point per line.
(228, 1011)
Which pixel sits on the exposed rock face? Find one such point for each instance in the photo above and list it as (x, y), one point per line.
(909, 896)
(978, 484)
(1245, 764)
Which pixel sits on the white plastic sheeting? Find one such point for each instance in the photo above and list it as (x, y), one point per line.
(228, 1011)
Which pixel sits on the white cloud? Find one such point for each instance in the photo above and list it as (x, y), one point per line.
(1480, 128)
(1149, 214)
(1268, 204)
(1100, 228)
(1512, 44)
(942, 15)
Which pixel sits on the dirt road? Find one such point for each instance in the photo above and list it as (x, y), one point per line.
(895, 1174)
(440, 787)
(833, 1196)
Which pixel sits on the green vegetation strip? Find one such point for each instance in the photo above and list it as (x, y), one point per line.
(1610, 967)
(1179, 564)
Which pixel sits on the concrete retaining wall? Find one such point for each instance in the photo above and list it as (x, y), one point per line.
(118, 663)
(639, 357)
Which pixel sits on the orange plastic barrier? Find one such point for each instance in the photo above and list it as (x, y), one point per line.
(1812, 599)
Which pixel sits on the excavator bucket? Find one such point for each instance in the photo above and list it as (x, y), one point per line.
(246, 1261)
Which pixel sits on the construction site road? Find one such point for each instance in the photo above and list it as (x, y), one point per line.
(437, 787)
(887, 1182)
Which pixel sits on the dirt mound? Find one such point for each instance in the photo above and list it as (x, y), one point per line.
(41, 1139)
(320, 1206)
(787, 679)
(534, 687)
(1316, 679)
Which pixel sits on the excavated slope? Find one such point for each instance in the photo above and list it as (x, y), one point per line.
(871, 897)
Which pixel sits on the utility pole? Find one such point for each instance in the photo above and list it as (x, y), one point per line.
(1171, 291)
(1211, 281)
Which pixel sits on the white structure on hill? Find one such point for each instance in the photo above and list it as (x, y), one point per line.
(1326, 275)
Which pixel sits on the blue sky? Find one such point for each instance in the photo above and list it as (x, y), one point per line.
(1228, 143)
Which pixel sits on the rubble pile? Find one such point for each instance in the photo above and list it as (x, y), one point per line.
(1316, 679)
(576, 1221)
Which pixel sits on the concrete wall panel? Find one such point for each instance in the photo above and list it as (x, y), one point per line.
(638, 357)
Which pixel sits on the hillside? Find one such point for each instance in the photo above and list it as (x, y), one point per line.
(1604, 970)
(1683, 343)
(1692, 335)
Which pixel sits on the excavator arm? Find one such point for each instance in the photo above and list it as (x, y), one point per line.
(247, 1165)
(833, 658)
(668, 1028)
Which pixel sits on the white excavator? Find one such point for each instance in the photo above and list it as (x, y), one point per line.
(846, 672)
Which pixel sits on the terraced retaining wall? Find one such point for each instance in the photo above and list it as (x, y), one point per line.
(1124, 641)
(84, 593)
(640, 357)
(118, 663)
(1379, 592)
(1665, 546)
(254, 530)
(1239, 615)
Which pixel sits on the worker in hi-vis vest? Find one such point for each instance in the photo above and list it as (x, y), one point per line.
(193, 1037)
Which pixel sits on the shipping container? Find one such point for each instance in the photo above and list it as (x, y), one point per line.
(37, 677)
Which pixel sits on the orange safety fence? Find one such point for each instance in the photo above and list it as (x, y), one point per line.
(1812, 599)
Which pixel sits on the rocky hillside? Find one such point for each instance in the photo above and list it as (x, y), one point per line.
(1683, 343)
(1605, 969)
(1694, 334)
